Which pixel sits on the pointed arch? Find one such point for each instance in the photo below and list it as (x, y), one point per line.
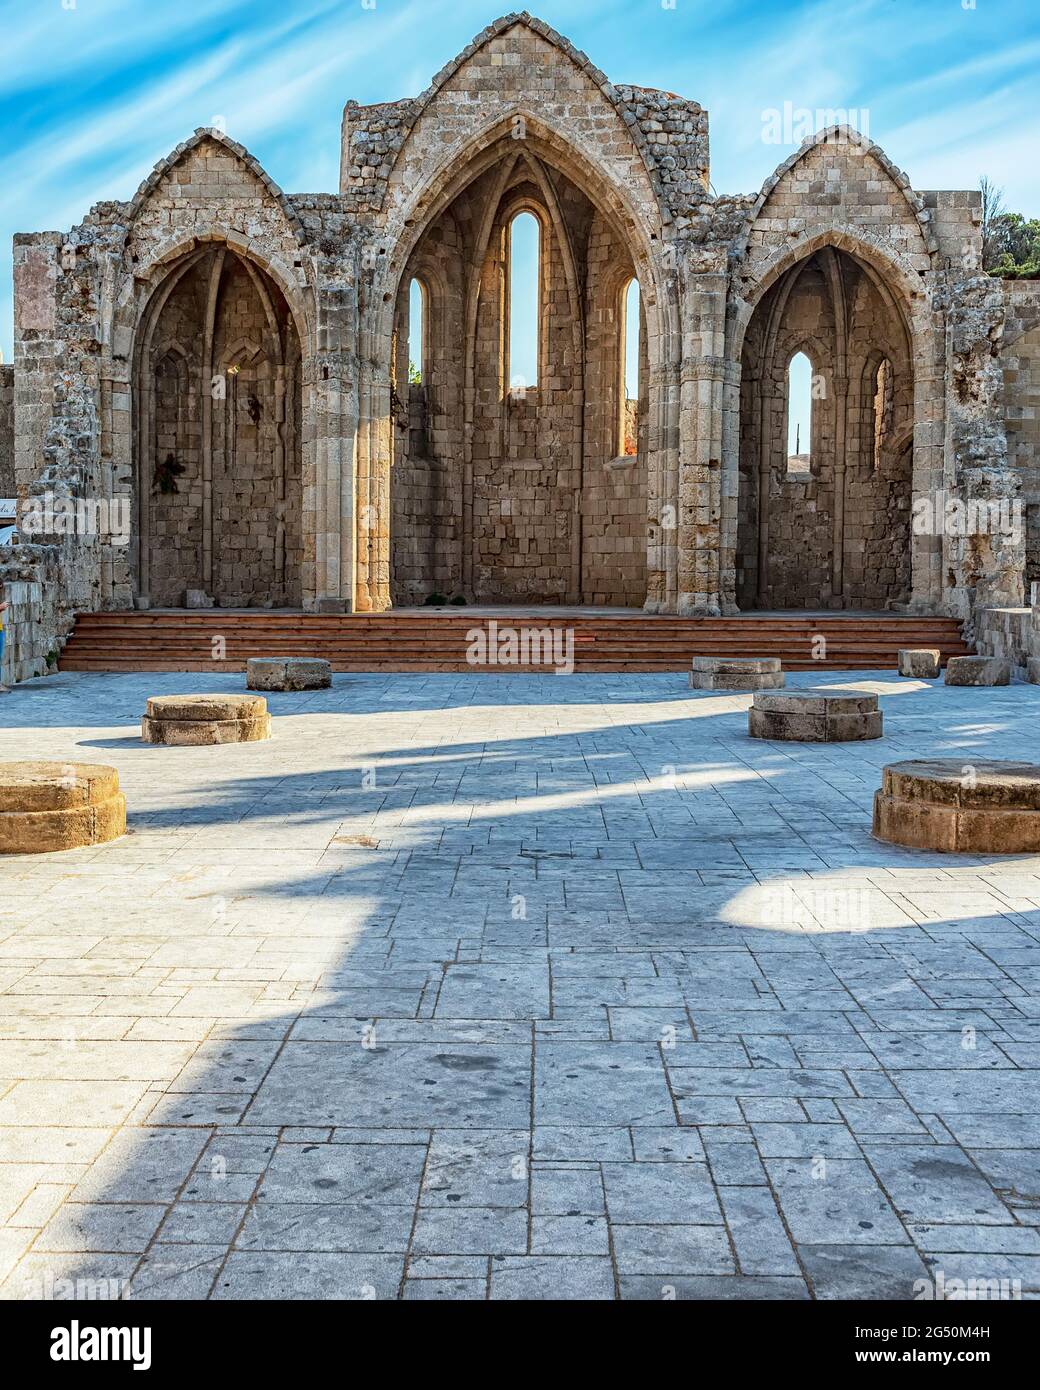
(415, 110)
(262, 461)
(181, 152)
(851, 139)
(486, 148)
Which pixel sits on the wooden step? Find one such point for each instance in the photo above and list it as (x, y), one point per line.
(437, 641)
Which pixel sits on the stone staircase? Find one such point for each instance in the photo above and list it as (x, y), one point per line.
(222, 639)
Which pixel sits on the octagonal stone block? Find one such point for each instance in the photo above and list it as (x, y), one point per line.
(812, 716)
(956, 805)
(194, 720)
(920, 662)
(977, 670)
(736, 673)
(288, 673)
(53, 806)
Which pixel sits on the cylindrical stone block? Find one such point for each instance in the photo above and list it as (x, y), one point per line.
(54, 806)
(736, 673)
(956, 805)
(193, 720)
(811, 716)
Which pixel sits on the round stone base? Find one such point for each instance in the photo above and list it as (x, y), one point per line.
(977, 670)
(288, 673)
(736, 673)
(53, 806)
(920, 662)
(955, 805)
(809, 716)
(194, 720)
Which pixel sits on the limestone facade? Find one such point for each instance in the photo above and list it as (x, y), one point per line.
(233, 363)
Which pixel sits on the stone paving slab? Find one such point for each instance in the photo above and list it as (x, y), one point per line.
(528, 989)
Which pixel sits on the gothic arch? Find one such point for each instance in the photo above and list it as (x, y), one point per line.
(847, 138)
(181, 152)
(224, 461)
(485, 148)
(824, 297)
(599, 82)
(496, 177)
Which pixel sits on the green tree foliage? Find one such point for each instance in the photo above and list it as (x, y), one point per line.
(1010, 243)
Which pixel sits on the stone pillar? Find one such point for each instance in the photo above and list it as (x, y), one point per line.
(984, 530)
(730, 483)
(35, 349)
(928, 470)
(766, 388)
(662, 504)
(704, 379)
(840, 387)
(331, 436)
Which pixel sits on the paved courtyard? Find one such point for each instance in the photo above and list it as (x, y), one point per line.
(515, 987)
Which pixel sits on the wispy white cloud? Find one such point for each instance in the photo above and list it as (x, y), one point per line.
(92, 97)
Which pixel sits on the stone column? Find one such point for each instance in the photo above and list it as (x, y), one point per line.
(35, 348)
(730, 482)
(704, 380)
(840, 387)
(331, 438)
(929, 449)
(662, 503)
(983, 538)
(766, 398)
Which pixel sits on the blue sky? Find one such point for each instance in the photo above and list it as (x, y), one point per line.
(93, 92)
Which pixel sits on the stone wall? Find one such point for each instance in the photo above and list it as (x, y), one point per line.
(7, 486)
(44, 585)
(325, 478)
(1013, 634)
(1020, 357)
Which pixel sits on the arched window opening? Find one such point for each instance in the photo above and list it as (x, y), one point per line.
(883, 403)
(524, 301)
(628, 425)
(416, 333)
(799, 415)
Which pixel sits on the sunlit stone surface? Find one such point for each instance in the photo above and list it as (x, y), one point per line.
(472, 987)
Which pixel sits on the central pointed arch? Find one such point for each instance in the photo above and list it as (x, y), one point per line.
(550, 175)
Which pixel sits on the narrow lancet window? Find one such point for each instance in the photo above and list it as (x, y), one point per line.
(524, 301)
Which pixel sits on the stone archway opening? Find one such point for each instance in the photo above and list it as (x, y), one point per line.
(826, 523)
(218, 438)
(507, 490)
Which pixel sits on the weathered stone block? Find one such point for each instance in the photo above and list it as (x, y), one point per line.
(54, 806)
(736, 673)
(197, 598)
(194, 720)
(1033, 670)
(813, 717)
(288, 673)
(923, 663)
(977, 670)
(951, 804)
